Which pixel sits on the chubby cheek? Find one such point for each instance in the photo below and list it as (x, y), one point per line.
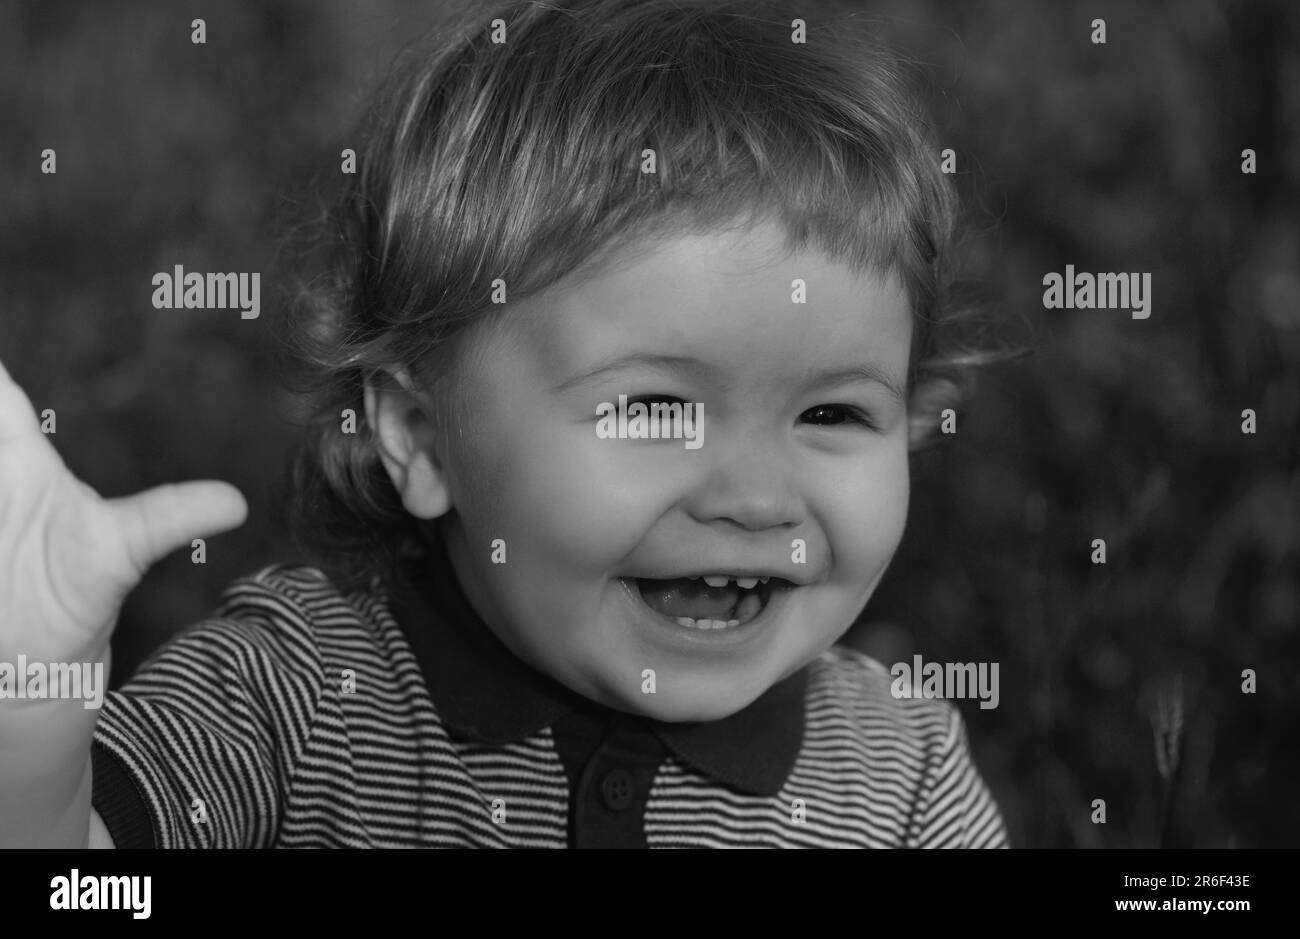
(864, 517)
(552, 493)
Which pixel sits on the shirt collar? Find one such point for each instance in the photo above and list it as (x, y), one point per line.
(484, 692)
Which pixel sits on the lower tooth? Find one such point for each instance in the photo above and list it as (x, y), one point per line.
(706, 623)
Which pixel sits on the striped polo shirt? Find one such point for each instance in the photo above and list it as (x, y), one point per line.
(301, 716)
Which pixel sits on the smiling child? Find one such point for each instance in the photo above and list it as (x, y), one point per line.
(519, 630)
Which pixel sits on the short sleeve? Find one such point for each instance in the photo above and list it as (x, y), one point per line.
(198, 747)
(954, 808)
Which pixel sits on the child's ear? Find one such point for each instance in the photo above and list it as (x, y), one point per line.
(407, 439)
(927, 414)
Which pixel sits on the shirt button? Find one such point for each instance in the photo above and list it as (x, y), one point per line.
(616, 789)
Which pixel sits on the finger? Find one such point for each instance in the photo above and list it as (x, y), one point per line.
(156, 522)
(17, 416)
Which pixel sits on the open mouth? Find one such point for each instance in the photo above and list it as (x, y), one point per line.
(712, 601)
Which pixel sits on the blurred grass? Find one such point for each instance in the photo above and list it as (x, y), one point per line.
(1122, 157)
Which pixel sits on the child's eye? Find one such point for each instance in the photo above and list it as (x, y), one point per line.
(830, 415)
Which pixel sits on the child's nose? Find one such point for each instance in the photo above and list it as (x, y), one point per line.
(747, 484)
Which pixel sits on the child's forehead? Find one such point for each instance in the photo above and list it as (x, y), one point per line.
(712, 296)
(655, 275)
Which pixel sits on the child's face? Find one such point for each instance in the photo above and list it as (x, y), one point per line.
(707, 319)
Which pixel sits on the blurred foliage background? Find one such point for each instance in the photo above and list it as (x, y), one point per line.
(1117, 157)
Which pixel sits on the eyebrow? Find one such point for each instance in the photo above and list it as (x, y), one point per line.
(668, 363)
(867, 372)
(854, 374)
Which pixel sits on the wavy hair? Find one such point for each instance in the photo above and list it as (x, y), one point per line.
(520, 160)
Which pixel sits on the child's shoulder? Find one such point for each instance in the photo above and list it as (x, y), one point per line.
(285, 626)
(283, 606)
(913, 755)
(305, 590)
(845, 684)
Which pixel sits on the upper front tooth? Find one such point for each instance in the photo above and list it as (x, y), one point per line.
(716, 580)
(746, 582)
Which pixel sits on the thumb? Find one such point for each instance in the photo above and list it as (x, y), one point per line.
(158, 521)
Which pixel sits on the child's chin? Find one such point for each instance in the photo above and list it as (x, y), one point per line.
(682, 707)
